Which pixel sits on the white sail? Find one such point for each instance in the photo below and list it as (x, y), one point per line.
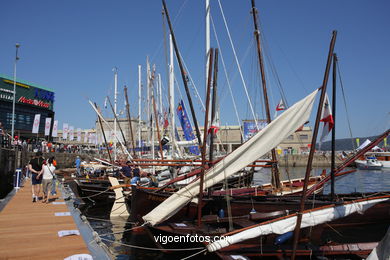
(257, 146)
(286, 224)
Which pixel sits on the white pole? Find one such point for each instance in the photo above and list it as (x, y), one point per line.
(14, 94)
(172, 96)
(207, 50)
(148, 97)
(139, 107)
(115, 101)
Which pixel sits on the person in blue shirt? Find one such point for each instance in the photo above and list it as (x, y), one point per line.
(78, 166)
(136, 176)
(125, 172)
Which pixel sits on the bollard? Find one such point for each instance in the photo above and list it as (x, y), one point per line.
(17, 178)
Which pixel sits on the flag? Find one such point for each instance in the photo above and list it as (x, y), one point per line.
(55, 129)
(37, 120)
(385, 141)
(327, 118)
(105, 102)
(357, 142)
(71, 133)
(47, 125)
(214, 125)
(281, 106)
(65, 129)
(78, 134)
(186, 126)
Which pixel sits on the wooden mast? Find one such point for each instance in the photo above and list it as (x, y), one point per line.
(275, 171)
(183, 75)
(129, 121)
(205, 137)
(313, 144)
(104, 135)
(117, 120)
(333, 164)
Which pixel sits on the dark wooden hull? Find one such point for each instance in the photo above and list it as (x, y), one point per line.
(352, 236)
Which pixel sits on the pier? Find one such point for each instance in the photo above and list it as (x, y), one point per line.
(31, 230)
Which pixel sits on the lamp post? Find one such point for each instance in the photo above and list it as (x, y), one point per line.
(13, 100)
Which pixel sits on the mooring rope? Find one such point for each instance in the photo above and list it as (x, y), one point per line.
(153, 248)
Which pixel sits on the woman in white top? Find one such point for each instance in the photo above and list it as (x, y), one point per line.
(47, 179)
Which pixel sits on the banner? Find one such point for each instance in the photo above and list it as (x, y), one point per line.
(186, 126)
(65, 130)
(54, 133)
(250, 128)
(37, 120)
(71, 133)
(47, 125)
(357, 142)
(78, 134)
(385, 141)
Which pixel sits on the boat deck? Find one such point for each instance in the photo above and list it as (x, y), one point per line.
(30, 230)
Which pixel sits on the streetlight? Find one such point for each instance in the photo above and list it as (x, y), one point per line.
(13, 100)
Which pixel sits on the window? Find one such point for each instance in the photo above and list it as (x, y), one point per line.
(304, 137)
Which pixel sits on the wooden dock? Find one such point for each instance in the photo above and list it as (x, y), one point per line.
(30, 230)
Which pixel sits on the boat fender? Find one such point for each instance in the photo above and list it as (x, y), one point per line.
(221, 213)
(283, 238)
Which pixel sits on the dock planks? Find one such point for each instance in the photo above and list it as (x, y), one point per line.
(30, 230)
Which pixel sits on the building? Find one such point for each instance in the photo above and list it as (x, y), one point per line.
(228, 139)
(30, 100)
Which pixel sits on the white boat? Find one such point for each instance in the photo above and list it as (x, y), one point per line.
(382, 157)
(370, 163)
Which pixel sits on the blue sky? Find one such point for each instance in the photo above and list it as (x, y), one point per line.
(72, 46)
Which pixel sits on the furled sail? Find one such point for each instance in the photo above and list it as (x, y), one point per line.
(261, 143)
(310, 218)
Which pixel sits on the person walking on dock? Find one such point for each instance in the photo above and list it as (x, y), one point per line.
(47, 173)
(35, 167)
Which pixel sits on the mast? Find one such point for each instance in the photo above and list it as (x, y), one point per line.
(207, 43)
(104, 135)
(172, 96)
(275, 171)
(115, 101)
(183, 75)
(117, 120)
(313, 144)
(333, 163)
(139, 106)
(129, 121)
(148, 99)
(157, 127)
(204, 141)
(213, 105)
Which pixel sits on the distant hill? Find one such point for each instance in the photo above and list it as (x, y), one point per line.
(345, 144)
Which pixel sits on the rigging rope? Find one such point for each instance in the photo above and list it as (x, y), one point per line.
(227, 77)
(238, 64)
(152, 248)
(345, 105)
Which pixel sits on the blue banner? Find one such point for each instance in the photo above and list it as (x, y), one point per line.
(186, 126)
(250, 128)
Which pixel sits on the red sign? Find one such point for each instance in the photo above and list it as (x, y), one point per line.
(34, 102)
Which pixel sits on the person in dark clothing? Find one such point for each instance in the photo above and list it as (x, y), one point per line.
(35, 167)
(125, 172)
(136, 176)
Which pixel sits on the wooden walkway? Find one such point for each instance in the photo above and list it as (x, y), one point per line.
(30, 230)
